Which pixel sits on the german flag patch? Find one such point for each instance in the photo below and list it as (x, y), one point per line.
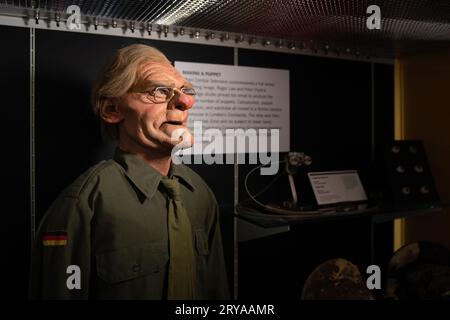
(56, 238)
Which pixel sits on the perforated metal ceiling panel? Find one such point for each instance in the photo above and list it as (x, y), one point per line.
(407, 26)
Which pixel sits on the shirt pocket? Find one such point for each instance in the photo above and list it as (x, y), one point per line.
(131, 262)
(201, 242)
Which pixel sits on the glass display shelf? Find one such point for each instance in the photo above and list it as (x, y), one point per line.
(378, 213)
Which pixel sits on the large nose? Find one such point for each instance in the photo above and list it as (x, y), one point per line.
(182, 101)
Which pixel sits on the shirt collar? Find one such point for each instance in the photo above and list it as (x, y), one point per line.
(145, 177)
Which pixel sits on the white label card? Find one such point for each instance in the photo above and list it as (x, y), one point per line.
(337, 186)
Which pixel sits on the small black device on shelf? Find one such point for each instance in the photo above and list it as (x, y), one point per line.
(408, 177)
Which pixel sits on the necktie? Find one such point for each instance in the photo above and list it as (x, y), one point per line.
(182, 267)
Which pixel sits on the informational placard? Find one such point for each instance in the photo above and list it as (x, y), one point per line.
(253, 100)
(337, 187)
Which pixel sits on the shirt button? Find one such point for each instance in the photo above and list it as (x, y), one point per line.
(136, 268)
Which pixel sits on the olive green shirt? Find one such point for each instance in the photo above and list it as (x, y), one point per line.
(112, 223)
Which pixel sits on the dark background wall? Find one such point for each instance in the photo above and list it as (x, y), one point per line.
(14, 159)
(332, 119)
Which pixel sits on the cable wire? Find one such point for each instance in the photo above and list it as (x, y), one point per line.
(253, 197)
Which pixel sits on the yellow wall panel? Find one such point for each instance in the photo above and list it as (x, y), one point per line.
(423, 112)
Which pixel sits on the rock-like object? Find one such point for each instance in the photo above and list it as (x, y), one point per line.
(336, 279)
